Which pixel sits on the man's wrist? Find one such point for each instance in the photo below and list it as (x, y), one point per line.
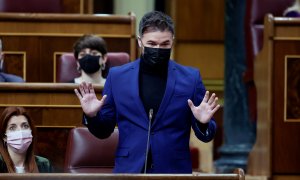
(203, 127)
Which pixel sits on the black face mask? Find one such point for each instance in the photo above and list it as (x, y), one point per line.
(156, 57)
(89, 64)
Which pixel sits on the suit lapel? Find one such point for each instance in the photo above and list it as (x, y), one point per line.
(168, 92)
(136, 94)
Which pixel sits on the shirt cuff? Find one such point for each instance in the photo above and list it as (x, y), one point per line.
(84, 120)
(203, 128)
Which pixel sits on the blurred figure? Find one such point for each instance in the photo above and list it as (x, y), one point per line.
(4, 77)
(91, 54)
(18, 139)
(293, 11)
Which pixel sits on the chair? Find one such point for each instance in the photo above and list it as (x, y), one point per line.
(195, 158)
(86, 153)
(32, 6)
(254, 22)
(254, 26)
(66, 68)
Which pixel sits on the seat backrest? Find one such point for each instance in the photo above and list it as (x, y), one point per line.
(86, 153)
(254, 21)
(32, 6)
(254, 28)
(66, 67)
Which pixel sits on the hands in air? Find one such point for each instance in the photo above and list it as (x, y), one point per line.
(88, 99)
(91, 105)
(204, 112)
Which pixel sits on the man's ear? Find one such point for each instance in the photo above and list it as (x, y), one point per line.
(139, 41)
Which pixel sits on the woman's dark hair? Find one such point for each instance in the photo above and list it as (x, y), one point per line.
(30, 164)
(89, 41)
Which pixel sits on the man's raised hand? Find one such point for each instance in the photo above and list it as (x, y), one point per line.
(88, 99)
(204, 112)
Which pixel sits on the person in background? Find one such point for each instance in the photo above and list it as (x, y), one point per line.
(18, 140)
(4, 77)
(154, 102)
(91, 54)
(293, 11)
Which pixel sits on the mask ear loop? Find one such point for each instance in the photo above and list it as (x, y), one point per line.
(102, 66)
(78, 69)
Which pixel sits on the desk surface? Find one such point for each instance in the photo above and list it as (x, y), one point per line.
(66, 176)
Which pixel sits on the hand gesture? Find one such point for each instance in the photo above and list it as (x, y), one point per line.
(206, 109)
(88, 99)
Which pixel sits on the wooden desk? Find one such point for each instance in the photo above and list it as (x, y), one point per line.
(238, 174)
(277, 74)
(32, 41)
(55, 110)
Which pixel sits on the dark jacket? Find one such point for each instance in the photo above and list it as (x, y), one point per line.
(43, 164)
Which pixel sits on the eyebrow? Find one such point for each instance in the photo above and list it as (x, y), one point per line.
(151, 41)
(14, 124)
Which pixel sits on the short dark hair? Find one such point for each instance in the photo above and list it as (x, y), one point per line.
(156, 20)
(89, 41)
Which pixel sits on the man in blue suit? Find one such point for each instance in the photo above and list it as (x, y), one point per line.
(151, 100)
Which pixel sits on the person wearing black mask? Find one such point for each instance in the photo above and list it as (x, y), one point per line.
(154, 102)
(91, 54)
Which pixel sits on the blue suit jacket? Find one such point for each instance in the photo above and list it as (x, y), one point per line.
(4, 77)
(170, 130)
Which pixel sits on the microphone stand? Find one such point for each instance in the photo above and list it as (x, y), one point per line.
(148, 140)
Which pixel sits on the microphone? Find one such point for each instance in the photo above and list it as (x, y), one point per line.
(148, 139)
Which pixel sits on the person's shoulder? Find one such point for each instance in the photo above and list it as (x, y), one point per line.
(3, 167)
(40, 159)
(184, 69)
(124, 67)
(43, 164)
(292, 14)
(11, 77)
(1, 159)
